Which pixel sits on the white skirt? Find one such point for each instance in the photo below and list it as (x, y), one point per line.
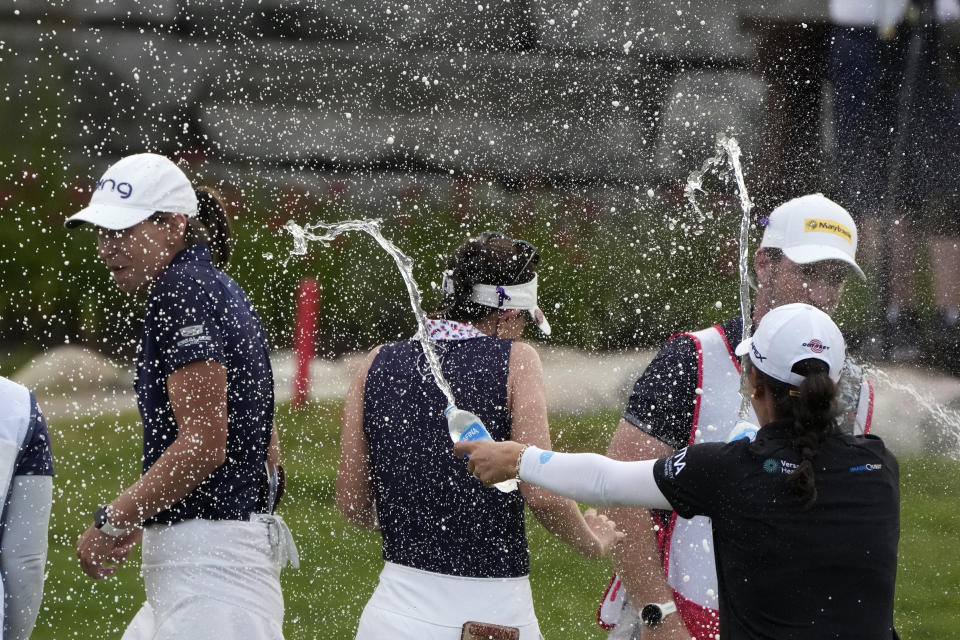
(411, 604)
(209, 579)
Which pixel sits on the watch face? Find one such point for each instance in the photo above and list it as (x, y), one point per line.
(100, 517)
(651, 614)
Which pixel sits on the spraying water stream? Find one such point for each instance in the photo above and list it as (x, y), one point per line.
(729, 148)
(945, 419)
(462, 425)
(303, 235)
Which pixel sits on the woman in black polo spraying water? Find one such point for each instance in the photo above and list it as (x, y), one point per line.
(805, 518)
(211, 556)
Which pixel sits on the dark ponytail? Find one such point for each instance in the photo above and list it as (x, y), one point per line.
(813, 408)
(210, 226)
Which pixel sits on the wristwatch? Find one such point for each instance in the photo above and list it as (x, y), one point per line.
(653, 614)
(101, 520)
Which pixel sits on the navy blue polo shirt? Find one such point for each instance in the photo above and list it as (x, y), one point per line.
(197, 312)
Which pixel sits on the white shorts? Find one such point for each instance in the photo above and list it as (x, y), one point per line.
(410, 604)
(210, 580)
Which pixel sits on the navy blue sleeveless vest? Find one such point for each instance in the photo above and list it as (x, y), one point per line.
(433, 514)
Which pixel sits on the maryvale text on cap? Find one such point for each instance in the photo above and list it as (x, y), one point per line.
(812, 228)
(135, 188)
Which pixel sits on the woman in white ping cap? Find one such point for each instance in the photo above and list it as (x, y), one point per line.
(456, 559)
(805, 518)
(212, 550)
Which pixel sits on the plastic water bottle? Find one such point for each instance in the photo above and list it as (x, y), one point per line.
(464, 426)
(743, 430)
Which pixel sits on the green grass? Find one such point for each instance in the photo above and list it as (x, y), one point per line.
(339, 564)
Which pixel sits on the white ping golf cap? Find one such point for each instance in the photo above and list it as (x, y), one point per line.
(791, 333)
(134, 189)
(813, 228)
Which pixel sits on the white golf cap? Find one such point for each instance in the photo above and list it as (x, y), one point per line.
(134, 189)
(791, 333)
(813, 228)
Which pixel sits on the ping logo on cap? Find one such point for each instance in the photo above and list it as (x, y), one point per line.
(125, 189)
(827, 226)
(816, 346)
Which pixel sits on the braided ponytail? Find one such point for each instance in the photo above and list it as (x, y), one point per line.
(210, 226)
(813, 408)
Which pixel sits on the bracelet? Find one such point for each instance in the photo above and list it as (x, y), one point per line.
(519, 458)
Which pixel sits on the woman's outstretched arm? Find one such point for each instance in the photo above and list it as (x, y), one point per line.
(585, 477)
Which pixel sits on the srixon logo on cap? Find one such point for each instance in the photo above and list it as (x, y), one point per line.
(125, 189)
(816, 346)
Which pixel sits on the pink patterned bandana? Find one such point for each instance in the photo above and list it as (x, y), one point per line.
(451, 330)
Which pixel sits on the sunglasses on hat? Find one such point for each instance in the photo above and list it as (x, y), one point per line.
(523, 245)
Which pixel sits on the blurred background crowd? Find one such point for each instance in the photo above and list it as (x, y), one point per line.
(571, 123)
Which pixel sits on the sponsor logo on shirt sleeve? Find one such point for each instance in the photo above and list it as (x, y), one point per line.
(772, 465)
(675, 464)
(193, 335)
(193, 330)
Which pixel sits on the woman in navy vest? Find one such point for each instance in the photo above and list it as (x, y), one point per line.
(455, 551)
(211, 561)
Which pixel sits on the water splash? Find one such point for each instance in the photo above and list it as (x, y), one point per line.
(728, 148)
(302, 236)
(695, 182)
(945, 419)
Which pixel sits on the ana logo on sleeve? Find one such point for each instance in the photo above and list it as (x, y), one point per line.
(675, 464)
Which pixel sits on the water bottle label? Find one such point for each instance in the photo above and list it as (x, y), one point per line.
(474, 431)
(743, 430)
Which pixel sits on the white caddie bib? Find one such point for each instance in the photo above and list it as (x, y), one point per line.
(689, 561)
(688, 558)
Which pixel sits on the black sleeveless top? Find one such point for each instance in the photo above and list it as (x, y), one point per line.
(433, 514)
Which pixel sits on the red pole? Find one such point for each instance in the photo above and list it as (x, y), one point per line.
(304, 339)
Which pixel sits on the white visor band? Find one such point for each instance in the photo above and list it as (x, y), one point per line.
(514, 296)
